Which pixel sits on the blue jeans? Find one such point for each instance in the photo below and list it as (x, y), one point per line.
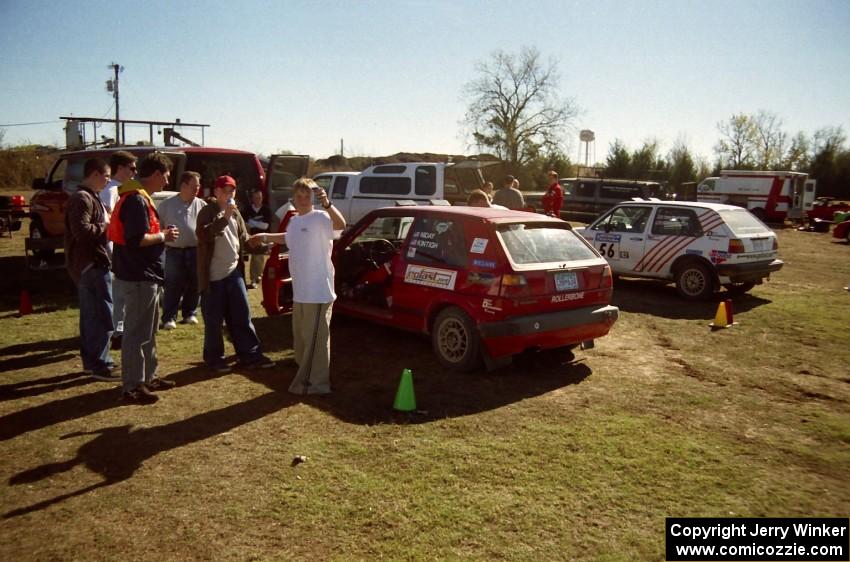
(95, 292)
(227, 300)
(181, 282)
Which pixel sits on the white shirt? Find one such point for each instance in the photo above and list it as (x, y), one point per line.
(310, 241)
(109, 196)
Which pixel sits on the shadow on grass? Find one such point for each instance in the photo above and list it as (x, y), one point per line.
(366, 374)
(648, 296)
(59, 411)
(37, 387)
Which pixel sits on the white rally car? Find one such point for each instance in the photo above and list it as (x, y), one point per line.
(699, 246)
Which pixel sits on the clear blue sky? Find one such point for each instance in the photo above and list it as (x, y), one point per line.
(388, 76)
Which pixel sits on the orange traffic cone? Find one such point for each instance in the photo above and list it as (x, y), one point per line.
(25, 306)
(720, 317)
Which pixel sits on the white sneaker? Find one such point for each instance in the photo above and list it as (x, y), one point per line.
(170, 325)
(190, 320)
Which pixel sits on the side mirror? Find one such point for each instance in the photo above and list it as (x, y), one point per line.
(607, 227)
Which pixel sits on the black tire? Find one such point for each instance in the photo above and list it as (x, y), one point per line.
(739, 288)
(37, 231)
(694, 281)
(455, 341)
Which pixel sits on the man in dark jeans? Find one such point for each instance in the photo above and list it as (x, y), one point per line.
(88, 265)
(181, 262)
(138, 246)
(221, 238)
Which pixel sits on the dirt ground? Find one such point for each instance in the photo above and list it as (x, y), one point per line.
(662, 417)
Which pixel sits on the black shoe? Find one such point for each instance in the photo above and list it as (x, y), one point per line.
(257, 362)
(139, 395)
(250, 286)
(116, 342)
(105, 374)
(219, 366)
(160, 384)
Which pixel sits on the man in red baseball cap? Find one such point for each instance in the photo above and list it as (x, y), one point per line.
(221, 239)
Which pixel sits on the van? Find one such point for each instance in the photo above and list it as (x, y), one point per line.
(590, 197)
(52, 192)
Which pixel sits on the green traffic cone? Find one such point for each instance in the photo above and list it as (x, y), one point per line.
(405, 400)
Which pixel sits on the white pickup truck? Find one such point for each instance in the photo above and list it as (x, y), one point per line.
(424, 183)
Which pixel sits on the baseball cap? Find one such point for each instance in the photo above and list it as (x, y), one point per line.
(224, 181)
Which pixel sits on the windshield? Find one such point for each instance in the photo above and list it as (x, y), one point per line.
(741, 221)
(543, 243)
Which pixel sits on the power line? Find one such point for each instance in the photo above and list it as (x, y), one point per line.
(24, 124)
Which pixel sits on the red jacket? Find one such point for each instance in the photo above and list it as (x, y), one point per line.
(553, 199)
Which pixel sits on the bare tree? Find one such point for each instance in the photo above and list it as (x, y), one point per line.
(770, 139)
(736, 148)
(514, 107)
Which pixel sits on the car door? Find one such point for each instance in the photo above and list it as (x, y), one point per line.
(620, 236)
(671, 231)
(282, 172)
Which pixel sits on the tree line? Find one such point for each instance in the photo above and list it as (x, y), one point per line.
(515, 111)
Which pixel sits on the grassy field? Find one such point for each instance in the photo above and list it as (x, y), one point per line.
(537, 461)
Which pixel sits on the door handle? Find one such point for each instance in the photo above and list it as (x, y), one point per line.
(638, 239)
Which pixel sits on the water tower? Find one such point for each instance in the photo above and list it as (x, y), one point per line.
(587, 136)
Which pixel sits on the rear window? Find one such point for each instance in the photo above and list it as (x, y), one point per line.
(542, 243)
(241, 167)
(741, 221)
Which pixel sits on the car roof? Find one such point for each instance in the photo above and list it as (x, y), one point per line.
(485, 213)
(699, 204)
(147, 148)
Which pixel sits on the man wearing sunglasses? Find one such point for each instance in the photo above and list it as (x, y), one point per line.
(123, 166)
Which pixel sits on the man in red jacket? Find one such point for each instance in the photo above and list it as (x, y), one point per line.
(554, 196)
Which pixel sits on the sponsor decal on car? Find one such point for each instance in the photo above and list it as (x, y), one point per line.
(607, 237)
(478, 246)
(489, 264)
(475, 278)
(411, 252)
(693, 252)
(766, 255)
(566, 297)
(489, 306)
(717, 256)
(430, 277)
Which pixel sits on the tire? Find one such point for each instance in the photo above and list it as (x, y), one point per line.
(739, 288)
(38, 232)
(694, 281)
(455, 341)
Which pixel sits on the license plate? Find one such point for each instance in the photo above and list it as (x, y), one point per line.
(760, 245)
(566, 281)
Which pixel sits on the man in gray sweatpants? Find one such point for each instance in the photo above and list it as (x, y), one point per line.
(139, 243)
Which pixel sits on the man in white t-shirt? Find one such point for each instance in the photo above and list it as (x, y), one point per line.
(309, 237)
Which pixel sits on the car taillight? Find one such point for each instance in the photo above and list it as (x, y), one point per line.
(18, 201)
(775, 243)
(736, 246)
(607, 280)
(514, 284)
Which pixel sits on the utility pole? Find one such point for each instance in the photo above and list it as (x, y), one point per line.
(112, 86)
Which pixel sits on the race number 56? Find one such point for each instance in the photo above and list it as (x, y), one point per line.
(608, 250)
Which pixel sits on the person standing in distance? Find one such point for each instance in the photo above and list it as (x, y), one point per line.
(309, 237)
(88, 263)
(509, 196)
(258, 218)
(221, 235)
(553, 199)
(181, 255)
(123, 167)
(138, 248)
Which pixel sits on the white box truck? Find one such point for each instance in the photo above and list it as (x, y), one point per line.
(771, 196)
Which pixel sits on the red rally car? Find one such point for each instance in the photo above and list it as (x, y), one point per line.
(485, 284)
